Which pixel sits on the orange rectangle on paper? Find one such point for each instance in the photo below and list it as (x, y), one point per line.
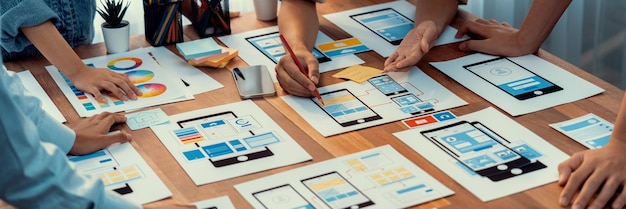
(339, 44)
(414, 122)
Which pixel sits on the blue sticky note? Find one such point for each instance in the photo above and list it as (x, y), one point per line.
(199, 48)
(146, 119)
(441, 116)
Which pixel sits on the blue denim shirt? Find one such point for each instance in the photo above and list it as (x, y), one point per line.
(73, 19)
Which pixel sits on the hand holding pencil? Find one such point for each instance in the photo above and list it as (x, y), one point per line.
(294, 77)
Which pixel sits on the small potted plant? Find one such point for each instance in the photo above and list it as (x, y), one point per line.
(115, 30)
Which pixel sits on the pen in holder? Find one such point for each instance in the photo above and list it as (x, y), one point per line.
(211, 17)
(163, 24)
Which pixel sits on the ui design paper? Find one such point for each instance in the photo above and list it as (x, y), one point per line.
(486, 152)
(222, 202)
(589, 130)
(33, 87)
(382, 27)
(264, 47)
(228, 141)
(517, 85)
(122, 170)
(376, 178)
(195, 80)
(157, 85)
(385, 98)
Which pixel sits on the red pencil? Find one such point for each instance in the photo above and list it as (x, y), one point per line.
(295, 59)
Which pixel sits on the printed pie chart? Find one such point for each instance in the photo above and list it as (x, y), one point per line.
(151, 89)
(124, 63)
(140, 76)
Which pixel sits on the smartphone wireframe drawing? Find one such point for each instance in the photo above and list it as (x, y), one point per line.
(512, 78)
(387, 23)
(283, 196)
(385, 84)
(480, 151)
(345, 108)
(271, 46)
(337, 192)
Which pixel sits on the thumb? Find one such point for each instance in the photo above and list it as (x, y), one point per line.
(120, 137)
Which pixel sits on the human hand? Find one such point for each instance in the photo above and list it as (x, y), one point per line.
(92, 133)
(291, 78)
(499, 38)
(601, 170)
(93, 80)
(413, 47)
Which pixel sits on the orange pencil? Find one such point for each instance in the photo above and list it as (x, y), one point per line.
(295, 59)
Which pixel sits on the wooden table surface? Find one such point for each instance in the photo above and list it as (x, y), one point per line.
(184, 190)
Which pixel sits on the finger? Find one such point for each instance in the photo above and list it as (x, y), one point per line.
(407, 62)
(120, 137)
(391, 58)
(573, 184)
(95, 92)
(607, 191)
(590, 186)
(461, 31)
(506, 24)
(477, 45)
(295, 74)
(127, 88)
(566, 167)
(290, 85)
(111, 87)
(620, 200)
(312, 65)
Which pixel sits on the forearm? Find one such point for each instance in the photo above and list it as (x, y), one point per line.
(47, 39)
(440, 11)
(619, 132)
(298, 23)
(541, 18)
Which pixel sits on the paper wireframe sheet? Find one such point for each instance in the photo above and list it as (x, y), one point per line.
(589, 130)
(375, 178)
(228, 141)
(263, 47)
(157, 85)
(496, 156)
(391, 20)
(124, 171)
(386, 98)
(504, 80)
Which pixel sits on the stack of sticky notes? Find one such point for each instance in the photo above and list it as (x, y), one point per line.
(206, 52)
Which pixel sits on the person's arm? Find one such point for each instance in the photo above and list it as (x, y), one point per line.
(298, 23)
(47, 39)
(502, 39)
(601, 171)
(431, 18)
(37, 174)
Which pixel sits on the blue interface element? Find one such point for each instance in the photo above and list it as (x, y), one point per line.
(525, 85)
(386, 85)
(389, 24)
(271, 45)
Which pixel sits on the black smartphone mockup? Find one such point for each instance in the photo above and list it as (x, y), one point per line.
(270, 45)
(385, 84)
(345, 108)
(337, 192)
(387, 23)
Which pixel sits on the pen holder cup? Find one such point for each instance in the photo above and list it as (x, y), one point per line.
(163, 23)
(211, 17)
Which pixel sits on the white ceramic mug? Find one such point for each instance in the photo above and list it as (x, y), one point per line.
(266, 10)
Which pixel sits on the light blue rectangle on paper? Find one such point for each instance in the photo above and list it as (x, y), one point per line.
(261, 140)
(144, 119)
(413, 188)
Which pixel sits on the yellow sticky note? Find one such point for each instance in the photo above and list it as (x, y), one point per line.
(358, 73)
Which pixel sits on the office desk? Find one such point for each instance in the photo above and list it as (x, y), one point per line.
(184, 190)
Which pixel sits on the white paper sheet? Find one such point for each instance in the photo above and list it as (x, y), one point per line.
(421, 90)
(196, 81)
(121, 168)
(381, 175)
(520, 139)
(31, 84)
(574, 87)
(253, 56)
(372, 40)
(228, 141)
(158, 86)
(222, 202)
(589, 130)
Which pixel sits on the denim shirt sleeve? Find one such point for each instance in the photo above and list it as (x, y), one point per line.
(48, 128)
(35, 173)
(22, 13)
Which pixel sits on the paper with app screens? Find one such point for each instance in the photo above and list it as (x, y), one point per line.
(381, 27)
(517, 85)
(589, 130)
(382, 99)
(375, 178)
(124, 171)
(227, 141)
(222, 202)
(263, 47)
(486, 152)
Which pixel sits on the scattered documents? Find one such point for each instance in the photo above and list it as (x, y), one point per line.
(589, 130)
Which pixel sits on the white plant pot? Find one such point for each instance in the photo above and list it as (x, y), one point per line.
(116, 39)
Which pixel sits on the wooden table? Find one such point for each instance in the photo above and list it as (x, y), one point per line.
(184, 190)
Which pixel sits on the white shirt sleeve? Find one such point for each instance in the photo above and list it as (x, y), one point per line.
(37, 174)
